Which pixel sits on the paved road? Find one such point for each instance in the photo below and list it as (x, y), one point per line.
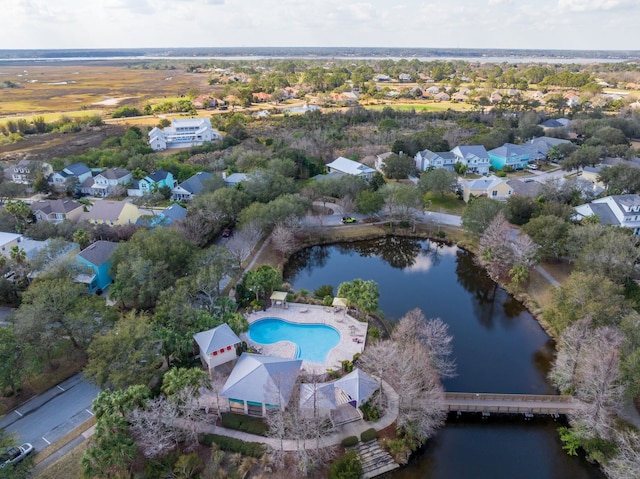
(49, 416)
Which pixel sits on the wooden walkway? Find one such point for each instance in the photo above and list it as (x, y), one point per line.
(527, 404)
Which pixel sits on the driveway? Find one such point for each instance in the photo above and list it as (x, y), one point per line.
(49, 416)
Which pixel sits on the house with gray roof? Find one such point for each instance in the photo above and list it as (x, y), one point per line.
(540, 146)
(615, 210)
(76, 174)
(97, 258)
(152, 182)
(513, 156)
(217, 346)
(427, 159)
(489, 187)
(56, 211)
(258, 383)
(234, 178)
(186, 190)
(183, 133)
(475, 157)
(106, 182)
(112, 213)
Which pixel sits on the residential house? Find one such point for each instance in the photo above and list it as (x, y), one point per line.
(382, 78)
(151, 183)
(217, 346)
(489, 187)
(475, 157)
(166, 217)
(404, 78)
(24, 174)
(616, 210)
(434, 90)
(258, 383)
(183, 133)
(112, 213)
(56, 211)
(97, 259)
(8, 241)
(427, 159)
(553, 123)
(592, 174)
(527, 187)
(513, 156)
(186, 190)
(442, 96)
(70, 176)
(539, 147)
(106, 183)
(234, 179)
(350, 167)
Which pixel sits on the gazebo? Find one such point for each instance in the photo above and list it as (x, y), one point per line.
(358, 386)
(339, 302)
(279, 298)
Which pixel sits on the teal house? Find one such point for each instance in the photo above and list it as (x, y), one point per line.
(515, 156)
(97, 258)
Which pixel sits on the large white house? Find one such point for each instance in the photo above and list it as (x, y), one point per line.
(183, 133)
(617, 210)
(475, 157)
(350, 167)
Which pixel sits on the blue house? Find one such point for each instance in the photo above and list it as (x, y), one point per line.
(515, 156)
(151, 183)
(98, 258)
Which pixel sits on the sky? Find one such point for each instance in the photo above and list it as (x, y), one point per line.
(526, 24)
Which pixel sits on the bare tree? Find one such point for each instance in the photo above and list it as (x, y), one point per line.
(433, 334)
(598, 385)
(410, 370)
(283, 239)
(154, 427)
(244, 240)
(573, 342)
(347, 204)
(626, 463)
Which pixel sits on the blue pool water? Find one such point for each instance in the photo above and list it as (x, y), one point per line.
(314, 340)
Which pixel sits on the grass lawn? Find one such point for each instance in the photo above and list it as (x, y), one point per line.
(450, 204)
(51, 117)
(68, 466)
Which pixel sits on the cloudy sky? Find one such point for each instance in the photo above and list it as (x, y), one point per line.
(532, 24)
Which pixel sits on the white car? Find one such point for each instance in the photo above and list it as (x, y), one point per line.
(532, 167)
(13, 455)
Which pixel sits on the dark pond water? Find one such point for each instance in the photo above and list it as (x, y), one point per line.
(498, 346)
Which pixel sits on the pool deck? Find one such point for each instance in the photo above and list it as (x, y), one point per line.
(349, 328)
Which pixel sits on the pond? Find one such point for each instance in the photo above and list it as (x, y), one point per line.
(499, 348)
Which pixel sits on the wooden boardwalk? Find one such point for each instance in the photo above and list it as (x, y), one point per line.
(527, 404)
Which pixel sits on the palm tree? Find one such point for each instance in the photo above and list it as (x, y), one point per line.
(82, 238)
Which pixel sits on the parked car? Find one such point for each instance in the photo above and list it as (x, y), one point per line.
(13, 455)
(348, 219)
(532, 167)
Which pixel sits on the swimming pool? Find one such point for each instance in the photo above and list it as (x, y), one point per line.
(314, 340)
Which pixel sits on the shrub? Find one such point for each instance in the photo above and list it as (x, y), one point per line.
(230, 444)
(373, 332)
(347, 467)
(240, 422)
(327, 300)
(324, 290)
(370, 412)
(368, 435)
(350, 441)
